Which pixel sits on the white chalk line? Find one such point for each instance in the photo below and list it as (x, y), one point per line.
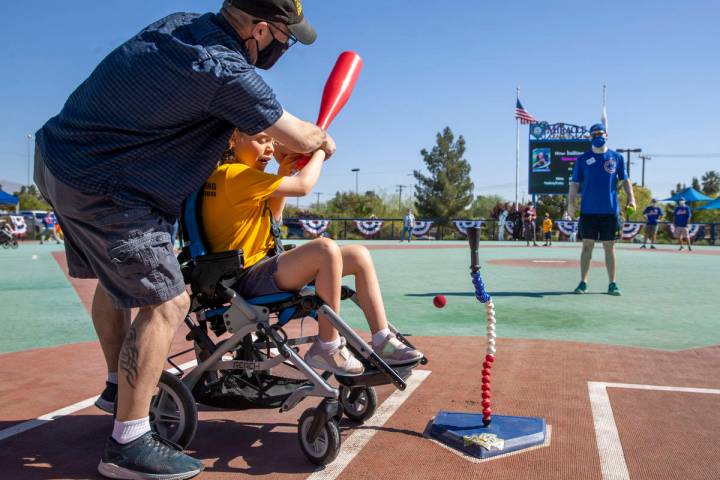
(612, 457)
(354, 444)
(62, 412)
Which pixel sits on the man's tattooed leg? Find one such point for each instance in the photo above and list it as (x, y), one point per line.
(129, 357)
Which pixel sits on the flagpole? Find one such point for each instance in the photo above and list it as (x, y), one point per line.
(517, 151)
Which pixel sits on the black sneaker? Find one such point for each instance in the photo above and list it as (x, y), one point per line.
(106, 400)
(149, 457)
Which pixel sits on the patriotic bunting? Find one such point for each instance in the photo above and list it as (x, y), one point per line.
(315, 227)
(18, 225)
(566, 228)
(422, 227)
(693, 230)
(630, 230)
(509, 226)
(463, 225)
(369, 227)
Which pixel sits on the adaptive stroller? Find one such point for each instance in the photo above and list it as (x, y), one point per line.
(256, 365)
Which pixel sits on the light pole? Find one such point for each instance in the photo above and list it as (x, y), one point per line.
(629, 151)
(643, 158)
(356, 170)
(29, 154)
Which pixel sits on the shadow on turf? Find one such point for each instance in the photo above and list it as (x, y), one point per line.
(501, 294)
(70, 448)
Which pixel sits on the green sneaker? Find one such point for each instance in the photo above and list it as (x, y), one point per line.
(613, 289)
(581, 288)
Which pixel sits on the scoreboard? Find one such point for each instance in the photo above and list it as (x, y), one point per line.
(551, 164)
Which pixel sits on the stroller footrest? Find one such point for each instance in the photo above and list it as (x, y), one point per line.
(372, 377)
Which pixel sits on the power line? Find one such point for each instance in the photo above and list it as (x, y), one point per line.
(684, 155)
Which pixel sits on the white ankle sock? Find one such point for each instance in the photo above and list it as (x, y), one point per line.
(126, 432)
(379, 337)
(329, 347)
(112, 377)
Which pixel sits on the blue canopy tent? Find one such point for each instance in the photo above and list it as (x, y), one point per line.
(714, 205)
(7, 199)
(690, 195)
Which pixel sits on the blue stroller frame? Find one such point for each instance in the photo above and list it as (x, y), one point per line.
(236, 372)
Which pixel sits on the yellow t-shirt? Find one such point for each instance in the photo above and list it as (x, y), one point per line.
(547, 225)
(235, 213)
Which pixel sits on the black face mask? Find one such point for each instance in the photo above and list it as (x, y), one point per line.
(268, 56)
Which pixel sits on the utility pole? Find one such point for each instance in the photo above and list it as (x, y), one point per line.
(400, 189)
(356, 170)
(643, 158)
(628, 151)
(318, 200)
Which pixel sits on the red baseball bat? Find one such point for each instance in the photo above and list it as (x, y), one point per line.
(336, 93)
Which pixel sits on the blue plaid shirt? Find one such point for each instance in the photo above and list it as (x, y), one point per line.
(150, 123)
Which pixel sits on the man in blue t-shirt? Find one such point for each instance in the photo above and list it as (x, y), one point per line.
(681, 219)
(597, 172)
(652, 214)
(132, 142)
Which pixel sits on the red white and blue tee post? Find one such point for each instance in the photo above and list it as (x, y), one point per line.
(484, 298)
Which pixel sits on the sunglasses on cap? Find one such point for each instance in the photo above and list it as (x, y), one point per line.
(598, 133)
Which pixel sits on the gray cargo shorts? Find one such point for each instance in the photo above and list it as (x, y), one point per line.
(128, 249)
(259, 280)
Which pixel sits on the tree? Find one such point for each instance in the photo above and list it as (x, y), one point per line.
(696, 184)
(447, 190)
(351, 205)
(711, 183)
(484, 205)
(31, 199)
(555, 205)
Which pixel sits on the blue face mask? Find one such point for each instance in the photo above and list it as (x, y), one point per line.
(599, 142)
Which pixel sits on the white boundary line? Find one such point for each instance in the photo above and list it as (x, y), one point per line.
(359, 438)
(62, 412)
(612, 457)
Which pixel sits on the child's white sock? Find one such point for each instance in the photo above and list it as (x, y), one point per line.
(331, 346)
(112, 377)
(379, 337)
(126, 432)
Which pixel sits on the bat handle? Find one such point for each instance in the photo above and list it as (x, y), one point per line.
(473, 235)
(302, 161)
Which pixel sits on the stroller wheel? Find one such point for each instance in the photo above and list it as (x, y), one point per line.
(14, 244)
(326, 446)
(173, 411)
(359, 404)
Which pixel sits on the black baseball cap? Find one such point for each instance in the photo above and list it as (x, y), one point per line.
(288, 12)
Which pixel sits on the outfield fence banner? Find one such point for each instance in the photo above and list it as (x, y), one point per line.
(630, 230)
(18, 224)
(369, 228)
(694, 230)
(509, 226)
(315, 227)
(422, 227)
(567, 227)
(463, 225)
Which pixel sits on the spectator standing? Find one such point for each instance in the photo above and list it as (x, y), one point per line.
(529, 216)
(408, 226)
(547, 230)
(681, 219)
(49, 229)
(502, 218)
(652, 215)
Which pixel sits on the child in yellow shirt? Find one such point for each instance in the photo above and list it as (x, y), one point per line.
(239, 201)
(547, 230)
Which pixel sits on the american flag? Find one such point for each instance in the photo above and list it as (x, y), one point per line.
(523, 115)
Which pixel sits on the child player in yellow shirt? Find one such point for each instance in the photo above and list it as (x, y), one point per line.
(239, 199)
(547, 230)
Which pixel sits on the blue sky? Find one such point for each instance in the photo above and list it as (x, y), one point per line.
(428, 64)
